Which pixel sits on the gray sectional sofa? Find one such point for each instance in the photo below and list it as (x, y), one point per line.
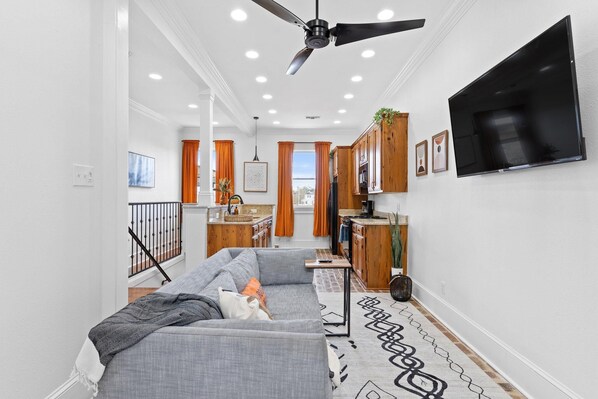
(223, 359)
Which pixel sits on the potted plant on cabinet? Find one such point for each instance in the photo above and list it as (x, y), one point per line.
(385, 114)
(400, 284)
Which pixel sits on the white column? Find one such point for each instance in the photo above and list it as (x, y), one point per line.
(206, 147)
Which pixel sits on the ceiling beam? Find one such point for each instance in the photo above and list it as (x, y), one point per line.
(172, 23)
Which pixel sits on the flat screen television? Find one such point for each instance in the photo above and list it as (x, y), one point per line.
(522, 113)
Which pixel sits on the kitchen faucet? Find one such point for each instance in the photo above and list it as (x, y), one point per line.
(234, 196)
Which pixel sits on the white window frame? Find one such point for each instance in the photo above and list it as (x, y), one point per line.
(305, 147)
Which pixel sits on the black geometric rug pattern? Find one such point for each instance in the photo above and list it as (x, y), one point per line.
(394, 352)
(412, 376)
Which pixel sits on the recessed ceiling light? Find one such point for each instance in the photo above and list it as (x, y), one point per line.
(342, 111)
(337, 122)
(271, 111)
(261, 79)
(368, 53)
(214, 123)
(192, 106)
(276, 123)
(356, 78)
(238, 15)
(349, 96)
(385, 15)
(155, 76)
(267, 96)
(252, 54)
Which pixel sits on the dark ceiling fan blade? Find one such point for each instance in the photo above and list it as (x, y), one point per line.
(299, 59)
(281, 12)
(349, 33)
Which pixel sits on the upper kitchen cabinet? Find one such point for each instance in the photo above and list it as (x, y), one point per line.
(387, 156)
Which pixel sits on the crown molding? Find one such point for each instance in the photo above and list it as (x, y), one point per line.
(150, 113)
(170, 20)
(452, 14)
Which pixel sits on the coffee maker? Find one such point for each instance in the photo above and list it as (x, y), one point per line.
(367, 208)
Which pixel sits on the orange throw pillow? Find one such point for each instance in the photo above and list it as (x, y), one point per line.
(254, 288)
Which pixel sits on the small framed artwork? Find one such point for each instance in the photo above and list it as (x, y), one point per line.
(141, 170)
(421, 158)
(440, 152)
(255, 176)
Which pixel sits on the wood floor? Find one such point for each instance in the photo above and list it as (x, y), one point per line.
(327, 280)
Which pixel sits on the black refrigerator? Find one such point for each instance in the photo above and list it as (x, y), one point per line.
(333, 217)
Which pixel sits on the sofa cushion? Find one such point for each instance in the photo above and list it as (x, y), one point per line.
(224, 281)
(293, 302)
(294, 326)
(285, 266)
(198, 278)
(243, 268)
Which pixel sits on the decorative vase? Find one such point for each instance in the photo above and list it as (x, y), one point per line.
(400, 288)
(223, 198)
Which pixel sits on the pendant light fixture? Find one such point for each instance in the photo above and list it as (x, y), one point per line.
(255, 158)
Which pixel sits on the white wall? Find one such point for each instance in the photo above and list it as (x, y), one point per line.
(56, 97)
(268, 152)
(153, 136)
(517, 250)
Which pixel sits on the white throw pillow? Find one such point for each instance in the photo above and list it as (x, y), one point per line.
(236, 306)
(334, 365)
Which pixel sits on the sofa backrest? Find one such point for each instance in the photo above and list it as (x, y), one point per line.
(284, 265)
(198, 278)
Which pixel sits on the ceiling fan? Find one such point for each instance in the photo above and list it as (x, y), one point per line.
(317, 34)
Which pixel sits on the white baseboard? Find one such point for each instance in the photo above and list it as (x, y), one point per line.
(71, 389)
(149, 273)
(524, 366)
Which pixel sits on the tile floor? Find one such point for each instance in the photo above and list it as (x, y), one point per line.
(332, 281)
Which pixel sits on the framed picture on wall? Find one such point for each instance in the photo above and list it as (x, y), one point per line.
(255, 176)
(440, 152)
(141, 171)
(421, 158)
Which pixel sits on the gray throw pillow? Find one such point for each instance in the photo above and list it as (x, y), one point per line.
(285, 266)
(195, 280)
(224, 280)
(243, 268)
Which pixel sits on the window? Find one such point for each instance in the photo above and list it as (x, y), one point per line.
(304, 175)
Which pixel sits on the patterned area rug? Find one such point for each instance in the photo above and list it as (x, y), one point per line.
(395, 352)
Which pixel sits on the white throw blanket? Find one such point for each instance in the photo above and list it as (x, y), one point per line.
(88, 368)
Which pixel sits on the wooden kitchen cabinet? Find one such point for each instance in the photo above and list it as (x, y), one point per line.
(371, 254)
(227, 235)
(344, 180)
(355, 170)
(335, 162)
(386, 156)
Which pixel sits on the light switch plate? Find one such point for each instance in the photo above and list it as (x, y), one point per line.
(83, 175)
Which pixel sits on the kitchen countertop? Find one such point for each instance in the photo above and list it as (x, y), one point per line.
(403, 219)
(256, 219)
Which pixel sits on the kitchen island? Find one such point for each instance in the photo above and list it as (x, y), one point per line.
(252, 228)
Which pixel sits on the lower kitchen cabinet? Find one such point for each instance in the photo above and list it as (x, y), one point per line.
(231, 235)
(371, 254)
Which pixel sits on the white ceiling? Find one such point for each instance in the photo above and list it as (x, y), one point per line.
(317, 88)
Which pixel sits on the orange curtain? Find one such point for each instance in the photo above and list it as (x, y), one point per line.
(285, 215)
(189, 171)
(225, 165)
(322, 188)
